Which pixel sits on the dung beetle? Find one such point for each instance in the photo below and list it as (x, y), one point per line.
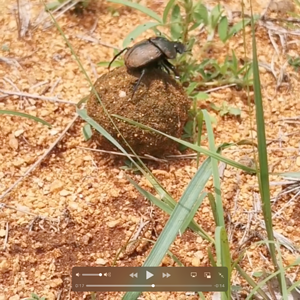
(151, 53)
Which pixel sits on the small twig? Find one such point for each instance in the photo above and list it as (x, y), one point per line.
(32, 223)
(237, 195)
(290, 119)
(281, 76)
(59, 295)
(65, 6)
(29, 170)
(147, 156)
(285, 20)
(286, 204)
(183, 156)
(3, 205)
(94, 26)
(11, 83)
(282, 38)
(220, 88)
(22, 94)
(96, 41)
(55, 85)
(247, 230)
(92, 66)
(134, 241)
(270, 34)
(122, 154)
(10, 61)
(222, 168)
(39, 84)
(24, 13)
(278, 29)
(264, 12)
(6, 236)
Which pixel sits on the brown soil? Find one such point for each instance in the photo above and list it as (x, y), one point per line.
(159, 102)
(78, 208)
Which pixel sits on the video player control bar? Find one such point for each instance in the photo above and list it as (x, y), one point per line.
(150, 279)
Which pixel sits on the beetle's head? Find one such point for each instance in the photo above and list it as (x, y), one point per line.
(179, 47)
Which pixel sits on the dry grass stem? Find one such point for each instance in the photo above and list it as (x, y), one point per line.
(22, 94)
(29, 170)
(122, 154)
(96, 41)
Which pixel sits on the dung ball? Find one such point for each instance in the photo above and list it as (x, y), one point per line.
(159, 102)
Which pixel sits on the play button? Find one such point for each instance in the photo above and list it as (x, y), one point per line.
(148, 275)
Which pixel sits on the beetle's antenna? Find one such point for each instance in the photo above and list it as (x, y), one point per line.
(116, 57)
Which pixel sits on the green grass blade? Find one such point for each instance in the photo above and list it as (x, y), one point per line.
(191, 146)
(211, 257)
(263, 175)
(83, 114)
(139, 7)
(162, 205)
(281, 273)
(87, 131)
(83, 100)
(137, 32)
(212, 202)
(257, 286)
(192, 213)
(293, 286)
(23, 115)
(174, 224)
(216, 176)
(252, 283)
(199, 119)
(223, 255)
(294, 175)
(167, 10)
(167, 209)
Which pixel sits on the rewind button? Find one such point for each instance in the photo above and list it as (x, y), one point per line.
(134, 275)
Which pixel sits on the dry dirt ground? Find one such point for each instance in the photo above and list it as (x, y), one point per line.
(77, 208)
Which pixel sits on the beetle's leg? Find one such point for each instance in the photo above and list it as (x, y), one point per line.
(169, 66)
(116, 57)
(166, 68)
(138, 82)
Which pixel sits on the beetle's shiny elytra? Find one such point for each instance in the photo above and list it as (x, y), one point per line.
(153, 52)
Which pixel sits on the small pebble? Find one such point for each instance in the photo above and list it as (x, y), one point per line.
(113, 224)
(18, 132)
(64, 193)
(205, 210)
(56, 186)
(101, 261)
(13, 142)
(56, 282)
(195, 262)
(122, 94)
(199, 254)
(4, 266)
